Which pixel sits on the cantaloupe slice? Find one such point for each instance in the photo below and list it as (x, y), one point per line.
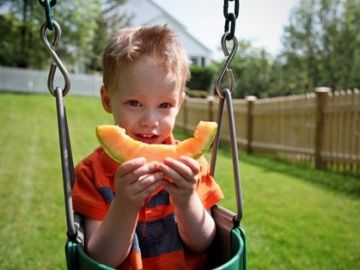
(122, 147)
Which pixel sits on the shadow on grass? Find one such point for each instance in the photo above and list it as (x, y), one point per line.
(340, 182)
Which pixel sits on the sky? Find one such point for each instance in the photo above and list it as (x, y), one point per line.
(260, 21)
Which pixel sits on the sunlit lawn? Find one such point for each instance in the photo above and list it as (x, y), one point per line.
(294, 217)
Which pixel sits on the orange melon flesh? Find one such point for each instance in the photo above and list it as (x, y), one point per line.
(122, 147)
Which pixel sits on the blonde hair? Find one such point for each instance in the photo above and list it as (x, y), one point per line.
(157, 42)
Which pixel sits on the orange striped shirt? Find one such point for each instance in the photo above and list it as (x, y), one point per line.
(157, 243)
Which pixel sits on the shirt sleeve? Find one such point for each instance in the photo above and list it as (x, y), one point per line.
(86, 195)
(209, 191)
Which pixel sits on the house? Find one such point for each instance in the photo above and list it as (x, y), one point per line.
(148, 12)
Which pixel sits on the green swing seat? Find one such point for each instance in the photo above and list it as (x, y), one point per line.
(228, 251)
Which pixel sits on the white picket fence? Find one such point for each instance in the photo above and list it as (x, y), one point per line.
(35, 81)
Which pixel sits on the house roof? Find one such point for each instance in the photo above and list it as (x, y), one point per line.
(179, 24)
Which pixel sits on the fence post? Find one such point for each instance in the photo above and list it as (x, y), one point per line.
(185, 113)
(322, 96)
(250, 100)
(210, 100)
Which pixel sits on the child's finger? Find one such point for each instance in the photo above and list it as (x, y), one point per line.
(147, 181)
(192, 163)
(169, 187)
(147, 168)
(175, 176)
(130, 165)
(182, 169)
(150, 190)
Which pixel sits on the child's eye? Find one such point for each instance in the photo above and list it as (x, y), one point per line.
(165, 105)
(134, 103)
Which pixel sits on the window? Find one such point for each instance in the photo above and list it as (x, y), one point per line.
(194, 60)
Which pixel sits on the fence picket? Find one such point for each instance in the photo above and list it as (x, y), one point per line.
(285, 126)
(35, 81)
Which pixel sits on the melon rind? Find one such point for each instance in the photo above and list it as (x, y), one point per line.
(111, 138)
(121, 147)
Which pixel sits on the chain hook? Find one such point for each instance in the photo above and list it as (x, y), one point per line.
(58, 63)
(227, 70)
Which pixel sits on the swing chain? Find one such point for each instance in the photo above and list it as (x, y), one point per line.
(225, 98)
(230, 17)
(51, 46)
(48, 4)
(230, 20)
(67, 166)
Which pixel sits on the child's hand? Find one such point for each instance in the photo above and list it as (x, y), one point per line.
(183, 175)
(135, 180)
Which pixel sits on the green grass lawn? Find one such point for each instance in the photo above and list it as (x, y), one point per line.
(294, 217)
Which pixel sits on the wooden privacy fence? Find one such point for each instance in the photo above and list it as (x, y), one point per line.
(320, 128)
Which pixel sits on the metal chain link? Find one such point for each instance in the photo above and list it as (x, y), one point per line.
(51, 24)
(228, 36)
(48, 12)
(225, 97)
(57, 61)
(230, 17)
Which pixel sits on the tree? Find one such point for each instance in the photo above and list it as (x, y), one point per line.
(252, 70)
(321, 45)
(16, 32)
(321, 48)
(20, 31)
(106, 25)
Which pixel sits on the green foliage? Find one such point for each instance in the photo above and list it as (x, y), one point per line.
(322, 44)
(201, 77)
(321, 47)
(252, 70)
(20, 37)
(83, 32)
(106, 25)
(9, 53)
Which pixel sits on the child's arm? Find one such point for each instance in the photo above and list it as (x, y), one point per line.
(196, 225)
(109, 241)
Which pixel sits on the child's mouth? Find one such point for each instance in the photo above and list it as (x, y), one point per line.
(147, 138)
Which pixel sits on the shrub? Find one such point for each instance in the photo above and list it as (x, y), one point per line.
(201, 78)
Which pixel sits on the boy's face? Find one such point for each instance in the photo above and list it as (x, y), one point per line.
(145, 101)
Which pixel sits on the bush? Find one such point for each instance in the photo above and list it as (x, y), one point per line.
(201, 78)
(197, 93)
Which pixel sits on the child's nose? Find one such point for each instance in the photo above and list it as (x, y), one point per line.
(150, 119)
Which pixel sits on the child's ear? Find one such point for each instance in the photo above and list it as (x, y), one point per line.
(105, 99)
(182, 97)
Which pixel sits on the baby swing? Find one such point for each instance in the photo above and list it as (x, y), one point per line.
(228, 250)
